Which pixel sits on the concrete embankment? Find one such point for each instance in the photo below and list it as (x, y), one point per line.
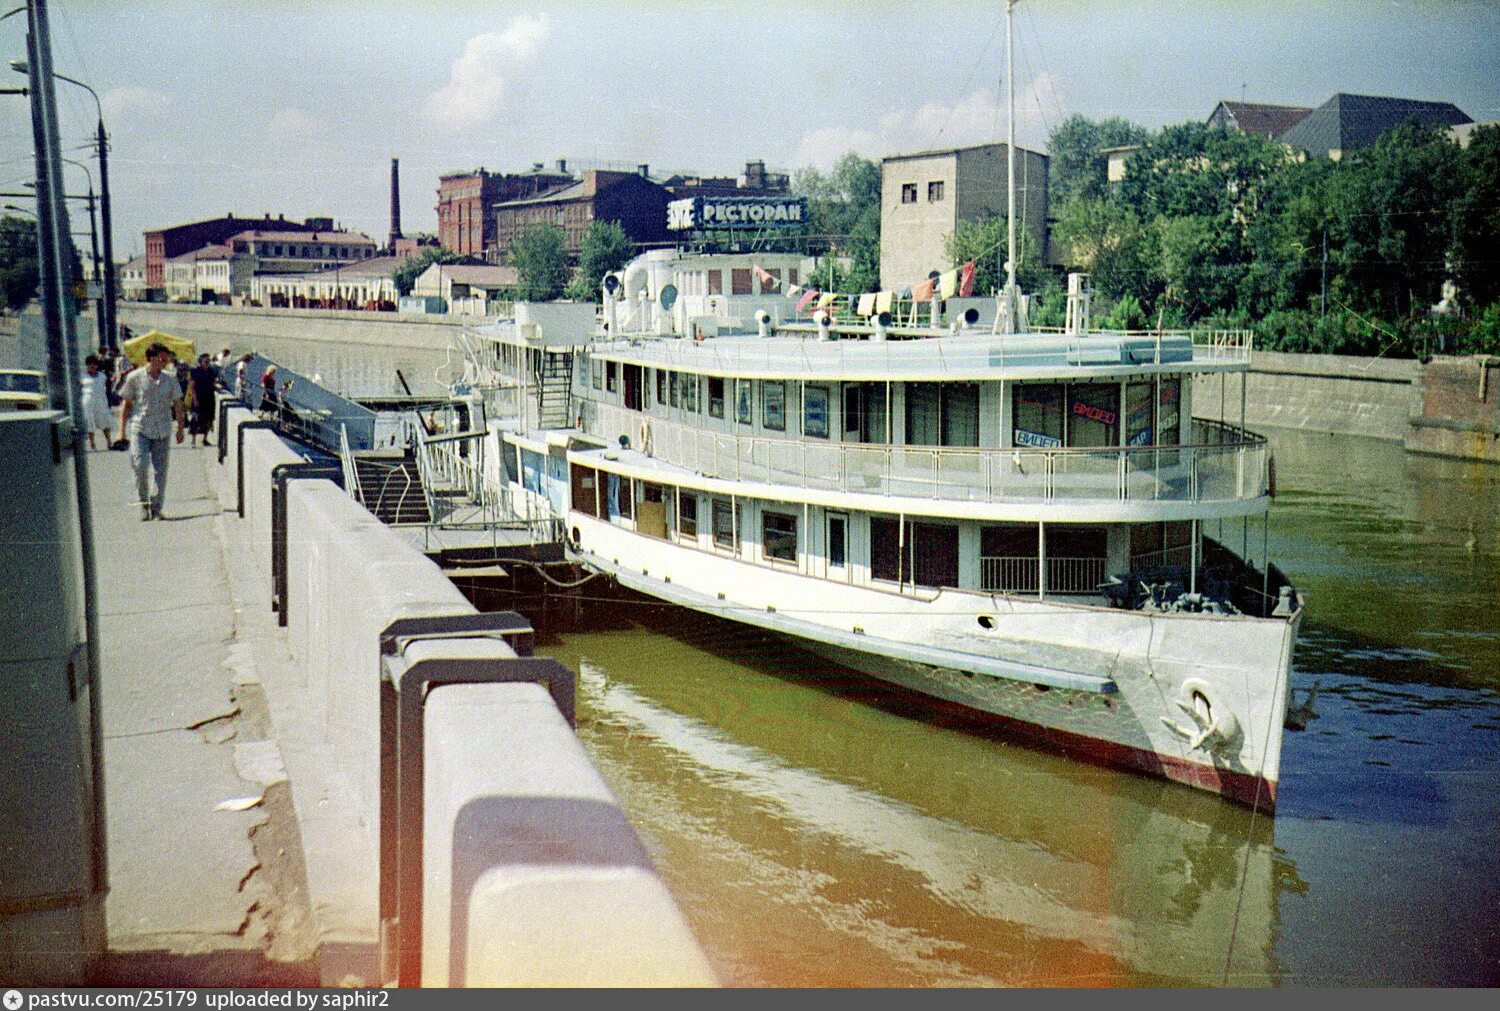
(527, 872)
(1457, 409)
(1315, 393)
(215, 326)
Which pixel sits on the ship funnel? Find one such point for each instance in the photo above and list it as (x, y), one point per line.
(882, 320)
(763, 322)
(822, 317)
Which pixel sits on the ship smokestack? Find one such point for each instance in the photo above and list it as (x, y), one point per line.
(395, 202)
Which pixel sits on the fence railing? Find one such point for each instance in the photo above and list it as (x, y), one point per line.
(1222, 463)
(461, 495)
(1019, 574)
(351, 472)
(1182, 554)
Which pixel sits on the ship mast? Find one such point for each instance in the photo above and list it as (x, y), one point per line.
(1008, 318)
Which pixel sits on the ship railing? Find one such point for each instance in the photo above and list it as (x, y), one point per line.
(461, 493)
(1020, 574)
(351, 472)
(1179, 556)
(1221, 463)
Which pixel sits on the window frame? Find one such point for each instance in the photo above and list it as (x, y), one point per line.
(768, 535)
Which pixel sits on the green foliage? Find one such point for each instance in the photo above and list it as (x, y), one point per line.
(1105, 239)
(843, 219)
(20, 269)
(605, 248)
(1476, 213)
(1077, 166)
(1126, 314)
(983, 240)
(541, 259)
(406, 272)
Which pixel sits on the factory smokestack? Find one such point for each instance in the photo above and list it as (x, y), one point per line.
(395, 203)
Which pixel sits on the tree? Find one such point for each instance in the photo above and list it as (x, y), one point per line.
(1077, 166)
(20, 269)
(605, 248)
(1476, 245)
(843, 218)
(984, 240)
(406, 272)
(1106, 240)
(540, 255)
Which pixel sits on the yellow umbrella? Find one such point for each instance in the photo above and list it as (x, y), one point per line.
(182, 347)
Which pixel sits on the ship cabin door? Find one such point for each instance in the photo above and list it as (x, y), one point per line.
(836, 546)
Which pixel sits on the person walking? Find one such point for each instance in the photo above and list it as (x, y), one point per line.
(202, 383)
(95, 400)
(153, 397)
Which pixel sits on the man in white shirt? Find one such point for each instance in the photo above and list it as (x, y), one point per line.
(154, 397)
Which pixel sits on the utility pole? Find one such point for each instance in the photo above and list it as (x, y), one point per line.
(1323, 282)
(63, 368)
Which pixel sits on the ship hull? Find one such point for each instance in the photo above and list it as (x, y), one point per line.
(1110, 686)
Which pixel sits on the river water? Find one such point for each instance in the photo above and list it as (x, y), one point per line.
(819, 829)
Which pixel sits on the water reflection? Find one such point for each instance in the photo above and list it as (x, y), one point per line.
(823, 829)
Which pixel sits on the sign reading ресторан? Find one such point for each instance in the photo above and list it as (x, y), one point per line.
(713, 214)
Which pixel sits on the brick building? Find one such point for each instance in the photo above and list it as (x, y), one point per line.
(630, 198)
(465, 222)
(164, 243)
(756, 182)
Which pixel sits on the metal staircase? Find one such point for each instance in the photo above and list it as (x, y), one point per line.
(390, 486)
(554, 384)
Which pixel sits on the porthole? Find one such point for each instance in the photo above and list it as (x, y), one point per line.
(986, 621)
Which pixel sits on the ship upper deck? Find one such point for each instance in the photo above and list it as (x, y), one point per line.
(961, 356)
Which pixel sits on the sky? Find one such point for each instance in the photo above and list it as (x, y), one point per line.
(296, 108)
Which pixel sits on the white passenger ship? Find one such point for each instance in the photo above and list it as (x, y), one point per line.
(1032, 525)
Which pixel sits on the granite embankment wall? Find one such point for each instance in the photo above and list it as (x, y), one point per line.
(528, 873)
(1316, 393)
(1457, 408)
(237, 327)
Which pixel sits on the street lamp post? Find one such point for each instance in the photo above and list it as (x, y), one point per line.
(108, 325)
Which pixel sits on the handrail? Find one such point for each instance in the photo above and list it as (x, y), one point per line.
(351, 472)
(1223, 463)
(441, 466)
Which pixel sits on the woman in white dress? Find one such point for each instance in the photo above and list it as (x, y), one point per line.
(96, 413)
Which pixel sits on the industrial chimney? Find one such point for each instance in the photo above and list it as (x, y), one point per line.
(395, 203)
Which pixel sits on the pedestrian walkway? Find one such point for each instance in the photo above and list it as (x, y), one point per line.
(193, 782)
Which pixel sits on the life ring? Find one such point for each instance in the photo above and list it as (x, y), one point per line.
(1213, 726)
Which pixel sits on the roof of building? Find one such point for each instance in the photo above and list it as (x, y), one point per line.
(212, 252)
(1349, 121)
(937, 152)
(347, 238)
(1265, 120)
(482, 275)
(244, 221)
(135, 263)
(572, 191)
(375, 266)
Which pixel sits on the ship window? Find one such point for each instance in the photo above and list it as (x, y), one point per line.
(611, 378)
(930, 550)
(661, 386)
(942, 414)
(815, 412)
(1168, 413)
(715, 397)
(837, 542)
(623, 496)
(739, 281)
(585, 494)
(778, 536)
(715, 282)
(1093, 415)
(791, 275)
(908, 193)
(742, 401)
(687, 514)
(885, 548)
(865, 412)
(1038, 412)
(773, 405)
(1138, 419)
(633, 387)
(674, 385)
(597, 378)
(723, 524)
(690, 391)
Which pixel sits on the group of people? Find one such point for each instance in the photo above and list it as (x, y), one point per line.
(158, 401)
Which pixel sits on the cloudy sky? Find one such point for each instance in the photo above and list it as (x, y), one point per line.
(297, 107)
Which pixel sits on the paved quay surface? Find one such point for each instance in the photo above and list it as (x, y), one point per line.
(199, 894)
